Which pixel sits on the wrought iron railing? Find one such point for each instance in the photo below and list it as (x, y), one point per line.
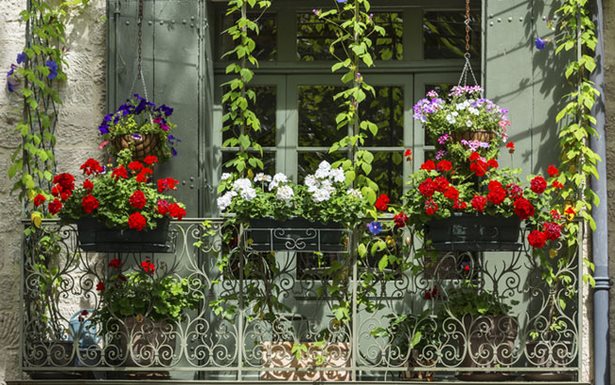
(302, 315)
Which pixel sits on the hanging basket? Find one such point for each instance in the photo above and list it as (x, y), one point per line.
(93, 235)
(481, 136)
(295, 234)
(465, 232)
(141, 145)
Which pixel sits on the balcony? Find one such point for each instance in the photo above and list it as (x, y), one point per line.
(303, 315)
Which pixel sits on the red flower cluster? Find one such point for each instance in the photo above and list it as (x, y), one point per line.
(497, 193)
(408, 154)
(150, 160)
(176, 211)
(165, 184)
(552, 230)
(148, 267)
(115, 263)
(120, 172)
(479, 166)
(63, 187)
(400, 220)
(137, 200)
(478, 203)
(538, 184)
(523, 208)
(100, 286)
(137, 221)
(135, 165)
(88, 185)
(143, 175)
(91, 166)
(39, 200)
(431, 207)
(444, 166)
(552, 171)
(511, 147)
(382, 203)
(54, 206)
(537, 239)
(429, 165)
(89, 203)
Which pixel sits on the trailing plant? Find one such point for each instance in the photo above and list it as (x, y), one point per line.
(239, 99)
(353, 48)
(40, 71)
(577, 40)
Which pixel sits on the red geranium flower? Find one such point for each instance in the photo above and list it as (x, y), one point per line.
(408, 154)
(523, 208)
(538, 184)
(56, 190)
(555, 215)
(429, 165)
(514, 190)
(115, 263)
(142, 176)
(431, 207)
(474, 156)
(137, 200)
(552, 230)
(400, 219)
(65, 180)
(136, 221)
(382, 203)
(497, 195)
(556, 184)
(88, 185)
(148, 267)
(479, 202)
(478, 167)
(65, 194)
(427, 188)
(167, 184)
(176, 211)
(459, 205)
(494, 185)
(100, 286)
(441, 183)
(552, 171)
(55, 206)
(451, 193)
(537, 239)
(91, 166)
(444, 166)
(511, 147)
(150, 159)
(163, 207)
(492, 163)
(39, 200)
(120, 172)
(135, 165)
(89, 203)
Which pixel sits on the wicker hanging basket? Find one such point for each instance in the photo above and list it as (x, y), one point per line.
(141, 145)
(481, 136)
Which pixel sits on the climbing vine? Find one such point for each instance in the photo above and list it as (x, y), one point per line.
(36, 77)
(577, 39)
(354, 27)
(239, 100)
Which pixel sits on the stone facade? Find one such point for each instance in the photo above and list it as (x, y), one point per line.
(84, 96)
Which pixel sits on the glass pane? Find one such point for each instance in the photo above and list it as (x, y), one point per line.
(317, 112)
(266, 40)
(268, 159)
(387, 111)
(444, 34)
(314, 37)
(265, 110)
(388, 173)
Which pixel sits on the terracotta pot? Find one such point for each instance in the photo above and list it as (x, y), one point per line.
(278, 355)
(141, 145)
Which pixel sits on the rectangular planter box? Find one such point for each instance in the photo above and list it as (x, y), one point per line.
(278, 355)
(295, 234)
(93, 235)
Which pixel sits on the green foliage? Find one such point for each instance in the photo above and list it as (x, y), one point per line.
(33, 162)
(239, 115)
(354, 28)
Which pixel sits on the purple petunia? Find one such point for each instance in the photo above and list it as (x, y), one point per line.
(374, 227)
(21, 58)
(166, 110)
(53, 69)
(540, 44)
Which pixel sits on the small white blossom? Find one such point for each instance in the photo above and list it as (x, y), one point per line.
(461, 106)
(338, 176)
(321, 195)
(285, 193)
(248, 193)
(225, 200)
(277, 180)
(468, 123)
(242, 184)
(473, 111)
(225, 176)
(312, 183)
(455, 113)
(450, 119)
(262, 177)
(355, 193)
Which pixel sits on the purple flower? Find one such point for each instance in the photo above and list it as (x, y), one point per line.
(474, 144)
(442, 139)
(341, 1)
(173, 151)
(540, 44)
(374, 227)
(53, 69)
(103, 129)
(440, 154)
(21, 58)
(136, 136)
(166, 110)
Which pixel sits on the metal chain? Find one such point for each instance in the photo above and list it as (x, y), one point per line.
(467, 67)
(139, 74)
(467, 22)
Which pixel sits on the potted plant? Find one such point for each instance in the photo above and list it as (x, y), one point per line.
(139, 312)
(282, 215)
(116, 208)
(141, 126)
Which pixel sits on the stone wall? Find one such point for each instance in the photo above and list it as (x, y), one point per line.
(84, 96)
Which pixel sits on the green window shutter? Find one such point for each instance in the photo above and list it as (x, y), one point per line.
(175, 71)
(524, 79)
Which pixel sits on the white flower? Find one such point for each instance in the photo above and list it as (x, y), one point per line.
(338, 176)
(321, 195)
(312, 183)
(455, 113)
(242, 184)
(225, 200)
(226, 175)
(324, 165)
(450, 118)
(461, 106)
(324, 169)
(468, 123)
(473, 111)
(285, 193)
(262, 177)
(355, 193)
(277, 180)
(248, 193)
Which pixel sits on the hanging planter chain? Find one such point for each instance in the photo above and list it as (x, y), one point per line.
(467, 67)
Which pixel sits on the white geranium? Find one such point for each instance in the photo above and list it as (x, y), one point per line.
(324, 169)
(248, 193)
(285, 193)
(277, 179)
(355, 193)
(338, 176)
(321, 195)
(225, 200)
(312, 183)
(262, 177)
(225, 176)
(242, 184)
